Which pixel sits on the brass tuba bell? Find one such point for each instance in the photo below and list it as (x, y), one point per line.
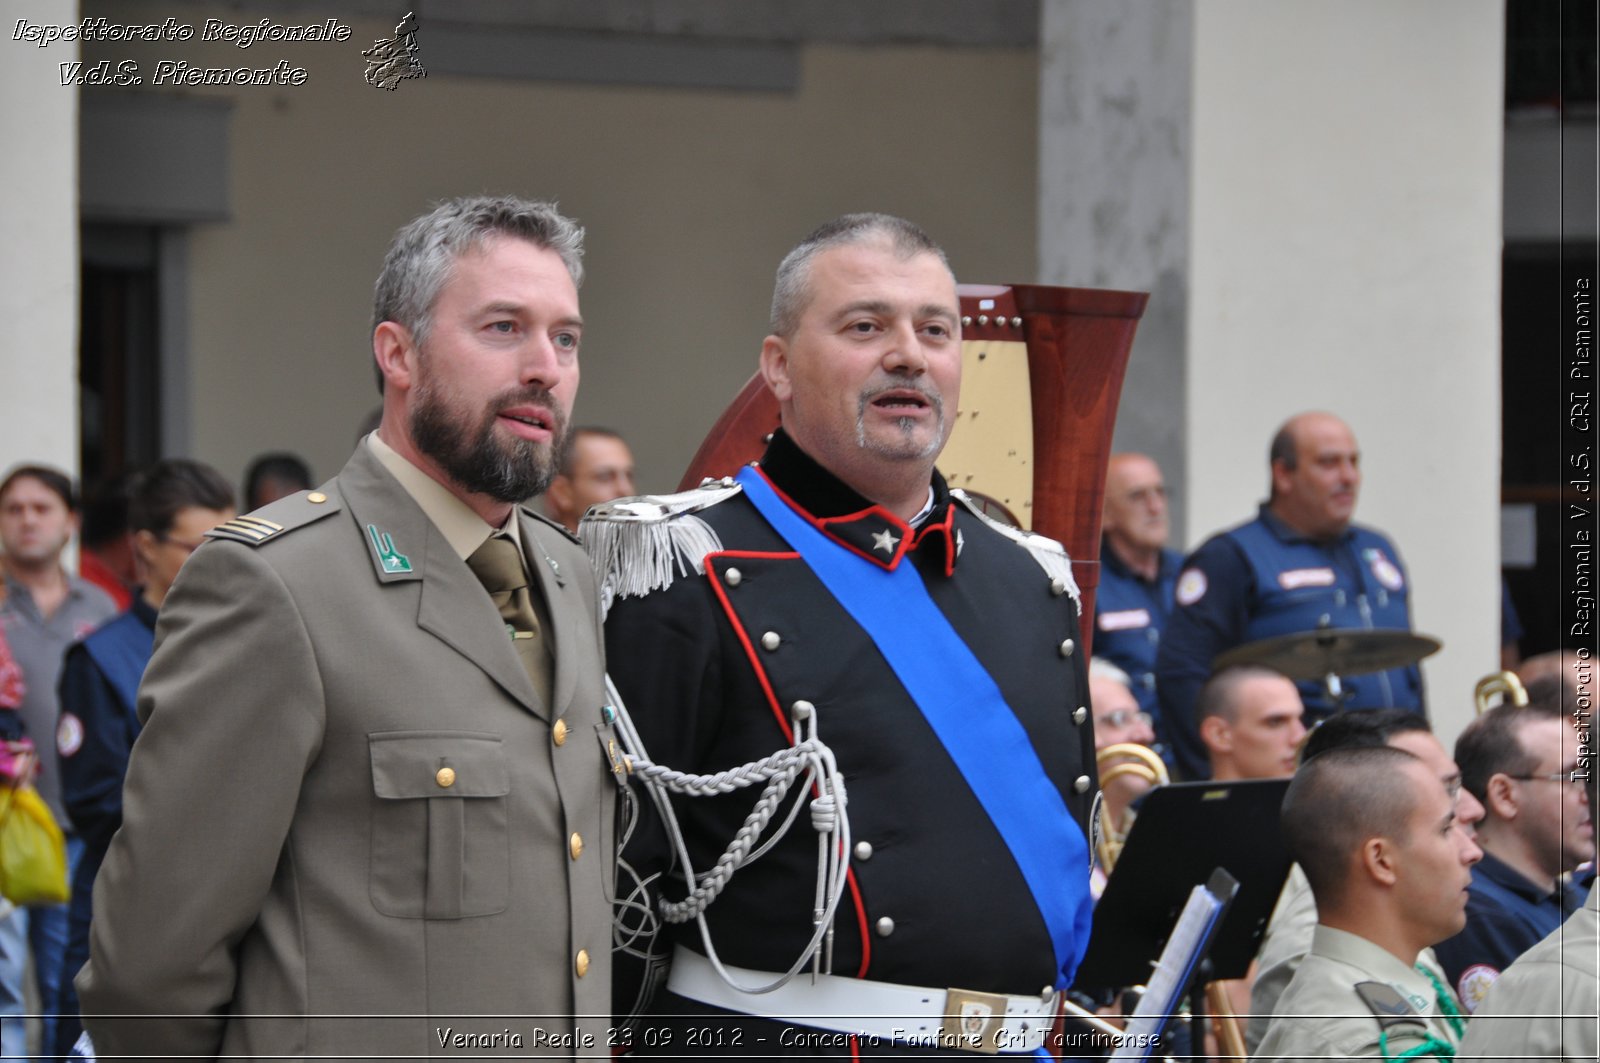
(1506, 684)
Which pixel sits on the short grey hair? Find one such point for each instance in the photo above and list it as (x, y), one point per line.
(792, 291)
(1100, 668)
(424, 251)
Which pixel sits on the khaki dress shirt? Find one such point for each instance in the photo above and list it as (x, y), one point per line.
(1320, 1016)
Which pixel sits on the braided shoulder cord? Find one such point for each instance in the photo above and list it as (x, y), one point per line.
(811, 763)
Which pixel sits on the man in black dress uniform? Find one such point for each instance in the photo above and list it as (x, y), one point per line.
(840, 586)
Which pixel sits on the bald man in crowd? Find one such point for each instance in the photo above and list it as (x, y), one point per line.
(1299, 565)
(1137, 574)
(1377, 835)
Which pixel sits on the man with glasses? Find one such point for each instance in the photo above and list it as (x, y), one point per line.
(1117, 721)
(1520, 762)
(1117, 716)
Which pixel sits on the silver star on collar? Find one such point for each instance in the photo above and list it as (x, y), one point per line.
(884, 541)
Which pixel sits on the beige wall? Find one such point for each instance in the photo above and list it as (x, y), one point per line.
(38, 251)
(1345, 255)
(690, 198)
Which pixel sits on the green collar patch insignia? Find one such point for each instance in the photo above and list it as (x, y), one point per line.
(391, 559)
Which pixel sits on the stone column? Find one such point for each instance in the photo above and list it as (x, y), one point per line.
(38, 244)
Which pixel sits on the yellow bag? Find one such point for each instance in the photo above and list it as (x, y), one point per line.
(33, 854)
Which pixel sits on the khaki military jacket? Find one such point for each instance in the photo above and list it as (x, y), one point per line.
(351, 827)
(1320, 1016)
(1543, 1007)
(1287, 941)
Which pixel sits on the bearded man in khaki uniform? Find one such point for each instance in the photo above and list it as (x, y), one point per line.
(372, 796)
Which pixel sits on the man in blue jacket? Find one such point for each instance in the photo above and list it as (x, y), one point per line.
(1522, 763)
(1137, 574)
(1299, 565)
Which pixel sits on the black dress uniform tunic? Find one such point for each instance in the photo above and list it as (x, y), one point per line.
(709, 668)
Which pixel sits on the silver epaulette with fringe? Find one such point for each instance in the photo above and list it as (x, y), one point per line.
(1051, 555)
(638, 545)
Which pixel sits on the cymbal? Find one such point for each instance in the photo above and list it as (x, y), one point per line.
(1338, 651)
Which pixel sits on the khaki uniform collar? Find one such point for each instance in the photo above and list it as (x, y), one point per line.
(1377, 963)
(463, 529)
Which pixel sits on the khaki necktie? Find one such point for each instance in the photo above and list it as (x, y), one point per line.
(498, 566)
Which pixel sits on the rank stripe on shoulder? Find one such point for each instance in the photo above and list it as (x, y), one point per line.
(295, 511)
(239, 527)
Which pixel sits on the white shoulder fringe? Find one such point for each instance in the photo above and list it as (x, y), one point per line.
(639, 545)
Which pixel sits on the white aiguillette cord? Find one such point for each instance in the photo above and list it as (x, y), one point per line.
(809, 762)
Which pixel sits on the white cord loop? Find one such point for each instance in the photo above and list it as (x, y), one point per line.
(808, 762)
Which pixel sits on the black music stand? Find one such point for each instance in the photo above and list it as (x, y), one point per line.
(1180, 968)
(1183, 833)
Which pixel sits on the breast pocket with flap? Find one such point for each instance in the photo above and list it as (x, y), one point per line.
(440, 847)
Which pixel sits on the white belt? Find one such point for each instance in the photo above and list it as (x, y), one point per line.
(876, 1011)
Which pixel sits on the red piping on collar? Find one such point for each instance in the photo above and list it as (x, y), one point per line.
(947, 527)
(907, 533)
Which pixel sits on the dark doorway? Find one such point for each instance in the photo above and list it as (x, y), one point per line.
(1544, 292)
(119, 364)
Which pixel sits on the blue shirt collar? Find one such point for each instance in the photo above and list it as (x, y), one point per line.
(1505, 876)
(1276, 525)
(1165, 566)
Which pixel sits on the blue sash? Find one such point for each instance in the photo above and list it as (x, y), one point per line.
(959, 699)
